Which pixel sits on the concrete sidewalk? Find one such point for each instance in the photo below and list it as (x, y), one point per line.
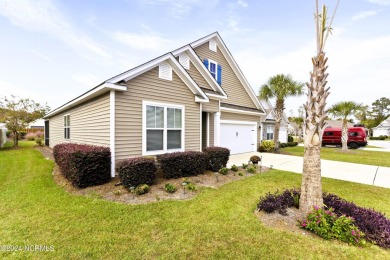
(360, 173)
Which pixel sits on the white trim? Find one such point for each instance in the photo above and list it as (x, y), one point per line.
(194, 58)
(237, 111)
(215, 96)
(199, 100)
(255, 126)
(216, 68)
(87, 96)
(165, 105)
(64, 127)
(201, 127)
(217, 128)
(208, 129)
(112, 131)
(226, 53)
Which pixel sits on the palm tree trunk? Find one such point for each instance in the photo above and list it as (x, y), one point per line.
(278, 118)
(311, 189)
(344, 136)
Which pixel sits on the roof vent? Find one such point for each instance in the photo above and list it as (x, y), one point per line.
(213, 45)
(184, 61)
(165, 71)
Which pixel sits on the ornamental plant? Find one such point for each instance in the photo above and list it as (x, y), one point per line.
(326, 224)
(234, 168)
(224, 171)
(255, 159)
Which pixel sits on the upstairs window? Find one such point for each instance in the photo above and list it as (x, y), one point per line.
(215, 69)
(67, 127)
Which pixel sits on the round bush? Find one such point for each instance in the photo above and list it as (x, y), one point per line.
(136, 171)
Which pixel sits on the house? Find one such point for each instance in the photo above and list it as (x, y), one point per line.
(37, 124)
(268, 123)
(3, 134)
(193, 97)
(382, 129)
(336, 124)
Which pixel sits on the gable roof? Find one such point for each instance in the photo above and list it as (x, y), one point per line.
(201, 95)
(336, 124)
(384, 124)
(233, 64)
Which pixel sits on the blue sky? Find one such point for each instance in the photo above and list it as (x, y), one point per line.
(52, 50)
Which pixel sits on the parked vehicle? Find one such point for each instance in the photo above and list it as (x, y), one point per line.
(356, 137)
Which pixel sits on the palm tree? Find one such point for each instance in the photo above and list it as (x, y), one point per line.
(311, 187)
(345, 109)
(280, 87)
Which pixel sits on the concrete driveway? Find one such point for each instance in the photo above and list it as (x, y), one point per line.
(365, 174)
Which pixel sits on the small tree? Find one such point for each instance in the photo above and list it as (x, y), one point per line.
(280, 87)
(17, 113)
(344, 110)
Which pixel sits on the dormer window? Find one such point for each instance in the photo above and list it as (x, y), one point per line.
(215, 69)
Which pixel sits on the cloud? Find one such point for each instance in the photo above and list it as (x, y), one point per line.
(145, 41)
(380, 2)
(88, 79)
(40, 55)
(242, 3)
(365, 14)
(43, 16)
(175, 9)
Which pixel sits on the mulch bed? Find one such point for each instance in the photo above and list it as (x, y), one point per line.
(157, 191)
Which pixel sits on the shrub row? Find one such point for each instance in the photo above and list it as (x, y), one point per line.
(266, 146)
(381, 137)
(182, 164)
(217, 157)
(83, 165)
(373, 224)
(136, 171)
(290, 138)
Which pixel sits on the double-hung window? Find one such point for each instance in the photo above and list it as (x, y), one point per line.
(163, 128)
(270, 132)
(67, 127)
(213, 69)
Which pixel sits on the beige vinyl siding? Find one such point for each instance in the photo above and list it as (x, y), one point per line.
(149, 87)
(197, 77)
(243, 117)
(89, 123)
(235, 91)
(211, 106)
(211, 128)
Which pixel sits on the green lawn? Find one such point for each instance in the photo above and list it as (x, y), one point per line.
(219, 223)
(352, 156)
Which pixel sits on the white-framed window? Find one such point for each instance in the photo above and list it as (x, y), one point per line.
(184, 61)
(165, 71)
(67, 127)
(213, 68)
(213, 45)
(270, 132)
(163, 126)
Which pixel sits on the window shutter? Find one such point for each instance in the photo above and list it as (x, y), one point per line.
(219, 74)
(206, 63)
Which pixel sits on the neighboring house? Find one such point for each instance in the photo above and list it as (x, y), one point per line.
(37, 124)
(382, 129)
(268, 124)
(185, 100)
(336, 124)
(3, 134)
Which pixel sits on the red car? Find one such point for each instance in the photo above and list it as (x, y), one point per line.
(356, 137)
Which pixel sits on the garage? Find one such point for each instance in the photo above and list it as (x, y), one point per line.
(239, 137)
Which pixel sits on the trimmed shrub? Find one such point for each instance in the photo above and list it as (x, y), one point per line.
(381, 137)
(290, 138)
(251, 169)
(292, 144)
(38, 141)
(283, 145)
(83, 165)
(244, 165)
(279, 201)
(255, 159)
(218, 157)
(30, 136)
(266, 146)
(136, 171)
(182, 164)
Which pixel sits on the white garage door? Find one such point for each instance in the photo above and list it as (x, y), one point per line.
(239, 138)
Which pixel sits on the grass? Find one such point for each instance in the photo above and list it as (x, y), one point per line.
(352, 156)
(219, 223)
(22, 144)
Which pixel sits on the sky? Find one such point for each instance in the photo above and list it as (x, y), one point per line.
(52, 51)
